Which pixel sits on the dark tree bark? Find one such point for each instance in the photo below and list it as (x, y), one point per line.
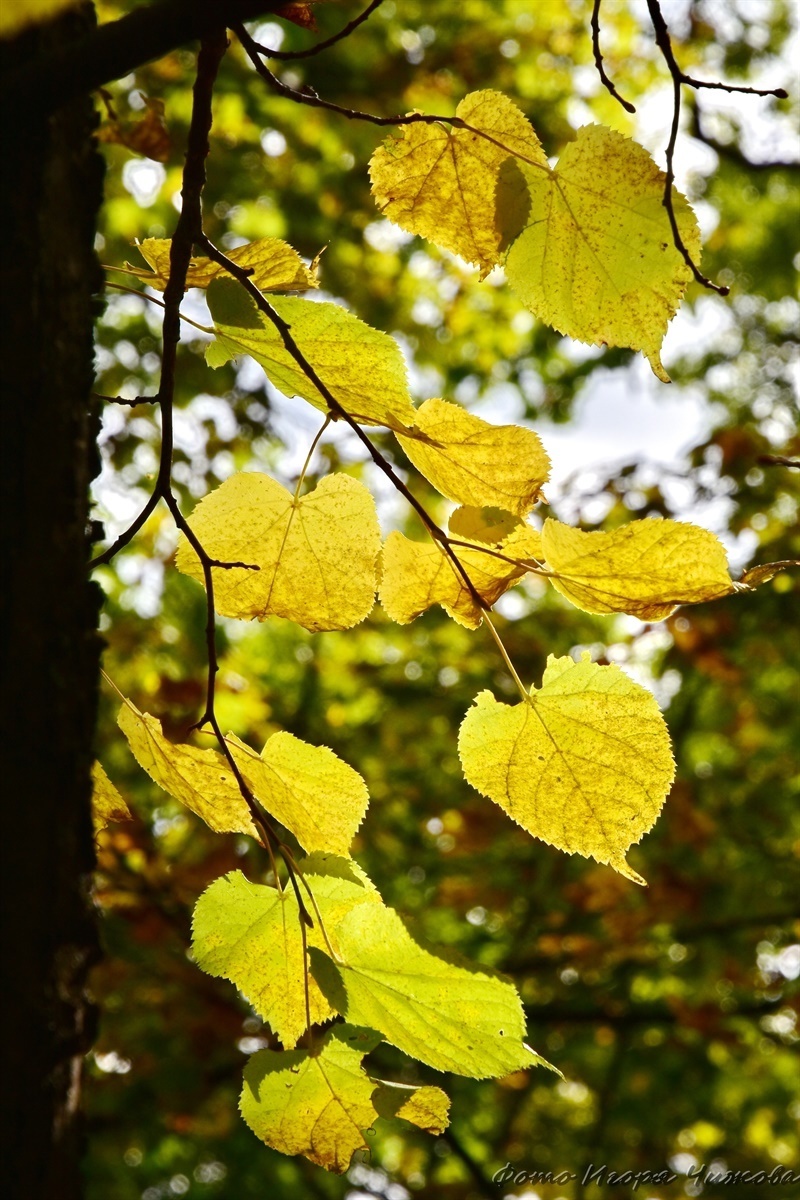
(50, 198)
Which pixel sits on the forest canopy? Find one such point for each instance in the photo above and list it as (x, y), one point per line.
(487, 310)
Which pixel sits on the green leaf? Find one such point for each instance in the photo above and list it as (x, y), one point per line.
(250, 934)
(362, 367)
(307, 788)
(315, 556)
(451, 1017)
(313, 1102)
(584, 765)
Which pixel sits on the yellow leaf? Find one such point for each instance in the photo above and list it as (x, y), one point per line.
(307, 788)
(277, 267)
(316, 555)
(16, 15)
(417, 575)
(595, 258)
(472, 462)
(362, 368)
(426, 1107)
(488, 525)
(107, 804)
(645, 568)
(439, 181)
(313, 1102)
(250, 934)
(200, 779)
(584, 765)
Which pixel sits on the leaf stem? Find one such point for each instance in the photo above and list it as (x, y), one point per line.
(506, 659)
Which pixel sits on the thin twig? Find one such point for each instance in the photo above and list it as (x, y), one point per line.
(598, 59)
(665, 46)
(133, 403)
(289, 55)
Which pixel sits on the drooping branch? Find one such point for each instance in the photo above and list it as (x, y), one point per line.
(665, 46)
(290, 55)
(679, 80)
(598, 59)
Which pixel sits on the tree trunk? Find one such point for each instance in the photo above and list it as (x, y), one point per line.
(51, 194)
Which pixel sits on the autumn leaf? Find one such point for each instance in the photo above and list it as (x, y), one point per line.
(200, 779)
(148, 135)
(313, 1102)
(316, 556)
(584, 765)
(107, 803)
(250, 934)
(307, 788)
(426, 1107)
(276, 266)
(595, 257)
(645, 568)
(362, 367)
(439, 181)
(475, 463)
(487, 525)
(417, 575)
(452, 1017)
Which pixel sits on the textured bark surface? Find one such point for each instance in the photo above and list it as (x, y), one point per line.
(50, 197)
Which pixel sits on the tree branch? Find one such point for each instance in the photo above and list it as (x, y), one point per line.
(598, 59)
(290, 55)
(115, 49)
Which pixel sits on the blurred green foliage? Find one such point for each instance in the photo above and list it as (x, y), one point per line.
(671, 1011)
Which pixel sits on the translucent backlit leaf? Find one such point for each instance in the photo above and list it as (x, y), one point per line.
(313, 1102)
(472, 462)
(316, 555)
(277, 267)
(426, 1107)
(362, 367)
(645, 568)
(107, 803)
(439, 180)
(452, 1017)
(489, 526)
(200, 779)
(595, 256)
(250, 934)
(417, 575)
(307, 788)
(585, 765)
